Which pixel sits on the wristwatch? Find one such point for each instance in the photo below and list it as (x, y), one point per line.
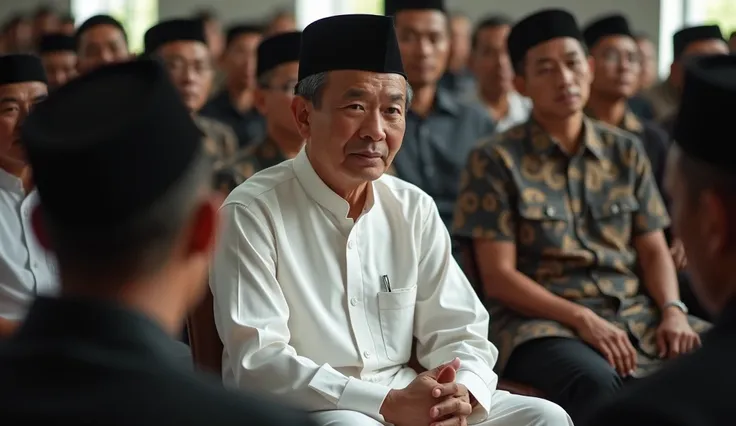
(677, 304)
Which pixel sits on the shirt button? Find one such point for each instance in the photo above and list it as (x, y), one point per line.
(550, 211)
(367, 355)
(351, 244)
(354, 301)
(615, 209)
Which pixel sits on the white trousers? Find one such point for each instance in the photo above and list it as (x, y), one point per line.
(506, 410)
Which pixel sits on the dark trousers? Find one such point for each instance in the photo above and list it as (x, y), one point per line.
(568, 372)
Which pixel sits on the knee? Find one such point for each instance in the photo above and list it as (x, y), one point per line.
(596, 382)
(548, 413)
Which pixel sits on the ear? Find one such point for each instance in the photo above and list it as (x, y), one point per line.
(39, 228)
(205, 225)
(259, 101)
(301, 109)
(591, 68)
(520, 85)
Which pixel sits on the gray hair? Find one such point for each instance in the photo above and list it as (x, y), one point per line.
(310, 88)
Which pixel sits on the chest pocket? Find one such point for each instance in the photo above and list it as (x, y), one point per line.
(613, 219)
(542, 224)
(396, 311)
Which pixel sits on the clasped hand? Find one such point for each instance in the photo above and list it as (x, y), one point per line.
(431, 399)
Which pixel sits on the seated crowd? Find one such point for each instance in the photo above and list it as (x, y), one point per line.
(380, 220)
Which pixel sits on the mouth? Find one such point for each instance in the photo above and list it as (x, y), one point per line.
(568, 97)
(369, 154)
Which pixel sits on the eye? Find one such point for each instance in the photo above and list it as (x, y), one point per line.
(356, 107)
(393, 110)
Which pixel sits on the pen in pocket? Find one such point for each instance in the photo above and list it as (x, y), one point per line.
(386, 283)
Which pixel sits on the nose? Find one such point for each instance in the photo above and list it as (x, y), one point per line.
(372, 127)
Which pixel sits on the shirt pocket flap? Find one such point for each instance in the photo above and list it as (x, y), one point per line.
(625, 204)
(399, 298)
(554, 210)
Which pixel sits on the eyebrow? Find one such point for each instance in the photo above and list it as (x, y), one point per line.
(396, 97)
(9, 100)
(40, 98)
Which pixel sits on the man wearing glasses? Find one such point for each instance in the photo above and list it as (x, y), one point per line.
(181, 45)
(277, 74)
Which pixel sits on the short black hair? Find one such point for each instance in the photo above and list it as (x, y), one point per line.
(139, 246)
(492, 21)
(99, 20)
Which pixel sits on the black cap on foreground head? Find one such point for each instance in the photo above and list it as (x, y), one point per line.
(350, 42)
(57, 43)
(393, 6)
(121, 132)
(277, 50)
(613, 25)
(706, 110)
(538, 28)
(685, 36)
(173, 30)
(240, 29)
(21, 68)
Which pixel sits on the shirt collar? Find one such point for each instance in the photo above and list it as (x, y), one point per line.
(318, 190)
(630, 122)
(445, 102)
(543, 143)
(11, 183)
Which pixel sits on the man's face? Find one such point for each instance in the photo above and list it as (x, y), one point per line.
(617, 67)
(460, 28)
(556, 77)
(696, 48)
(240, 59)
(425, 45)
(702, 223)
(355, 133)
(490, 62)
(274, 101)
(60, 67)
(649, 67)
(101, 45)
(16, 101)
(190, 67)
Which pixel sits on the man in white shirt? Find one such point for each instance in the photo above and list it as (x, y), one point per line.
(329, 269)
(489, 61)
(25, 268)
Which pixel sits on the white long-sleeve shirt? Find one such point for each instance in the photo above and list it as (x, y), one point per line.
(301, 297)
(26, 269)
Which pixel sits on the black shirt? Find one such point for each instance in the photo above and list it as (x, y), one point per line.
(249, 127)
(436, 147)
(81, 362)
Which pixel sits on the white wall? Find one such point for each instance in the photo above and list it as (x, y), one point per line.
(643, 15)
(228, 10)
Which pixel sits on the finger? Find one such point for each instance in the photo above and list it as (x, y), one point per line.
(445, 389)
(454, 364)
(452, 421)
(447, 407)
(631, 355)
(607, 354)
(698, 342)
(675, 343)
(662, 344)
(446, 375)
(617, 357)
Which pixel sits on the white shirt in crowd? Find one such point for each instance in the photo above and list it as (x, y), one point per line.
(26, 269)
(322, 310)
(519, 109)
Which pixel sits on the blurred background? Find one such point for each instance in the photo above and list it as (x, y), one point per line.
(659, 19)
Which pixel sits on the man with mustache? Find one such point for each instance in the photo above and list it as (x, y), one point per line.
(330, 268)
(26, 270)
(701, 177)
(181, 45)
(565, 219)
(277, 73)
(440, 129)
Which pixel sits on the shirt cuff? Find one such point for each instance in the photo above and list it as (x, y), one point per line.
(480, 391)
(363, 397)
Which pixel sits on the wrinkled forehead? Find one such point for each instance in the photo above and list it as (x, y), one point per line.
(27, 91)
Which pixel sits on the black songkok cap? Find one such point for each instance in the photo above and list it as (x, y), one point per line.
(122, 131)
(614, 25)
(350, 42)
(57, 43)
(393, 6)
(685, 36)
(21, 68)
(173, 30)
(706, 110)
(277, 50)
(238, 30)
(538, 28)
